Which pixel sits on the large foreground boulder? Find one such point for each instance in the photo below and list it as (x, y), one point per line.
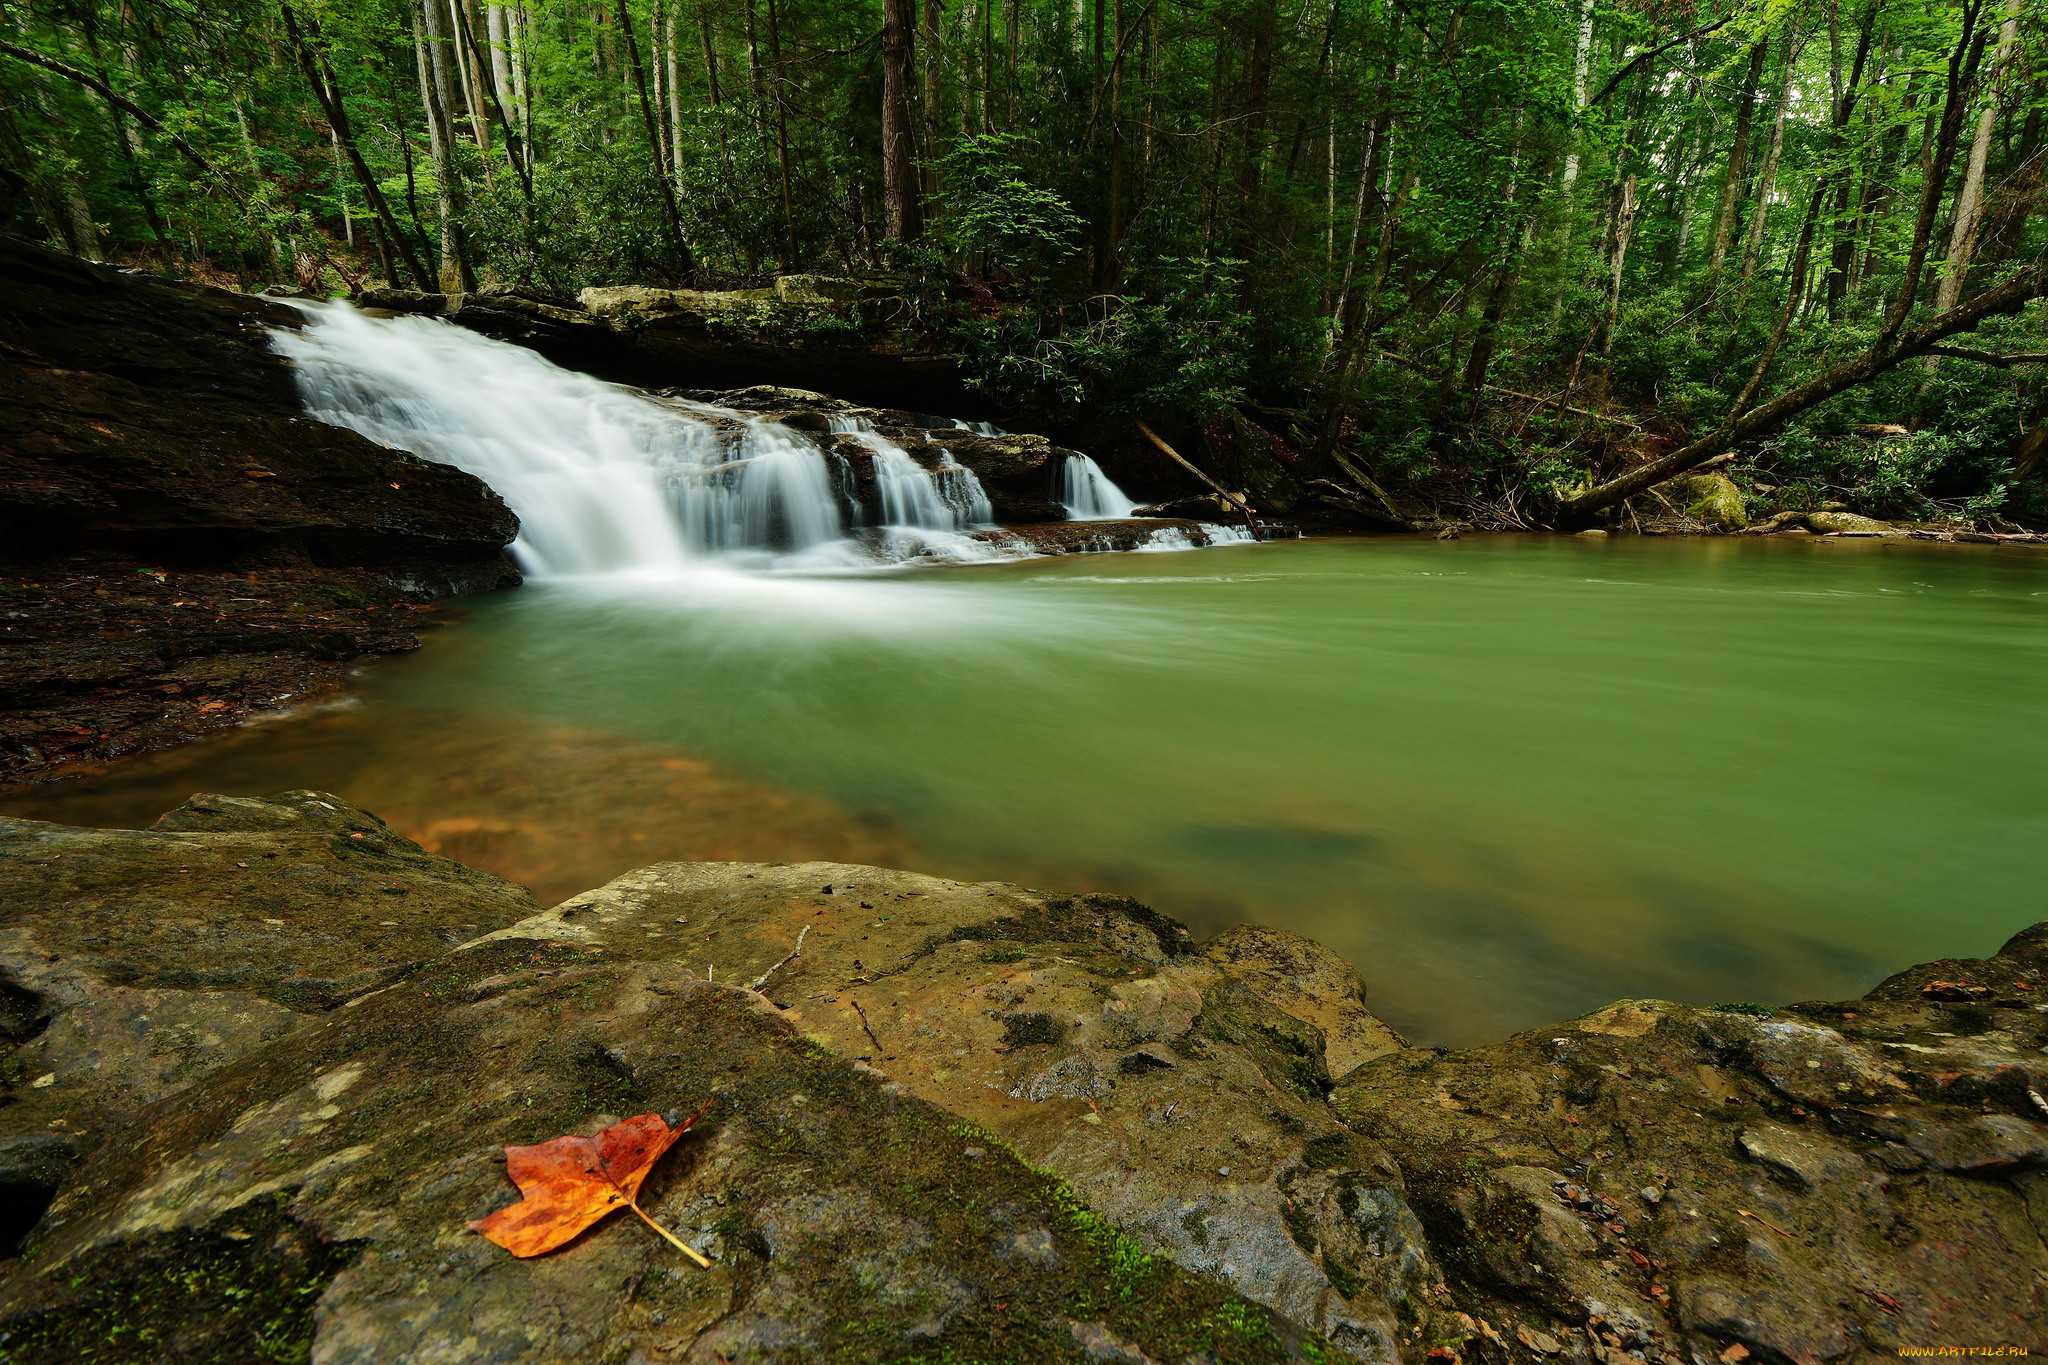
(135, 962)
(272, 1054)
(1089, 1034)
(313, 1196)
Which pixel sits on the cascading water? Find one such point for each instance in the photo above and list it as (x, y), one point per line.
(949, 498)
(1088, 494)
(608, 479)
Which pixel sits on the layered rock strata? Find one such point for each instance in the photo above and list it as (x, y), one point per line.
(152, 453)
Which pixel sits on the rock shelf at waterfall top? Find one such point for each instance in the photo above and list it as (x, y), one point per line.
(947, 1120)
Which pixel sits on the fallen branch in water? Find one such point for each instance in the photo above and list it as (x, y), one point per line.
(1243, 507)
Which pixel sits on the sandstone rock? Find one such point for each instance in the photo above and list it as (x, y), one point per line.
(139, 962)
(1715, 500)
(1301, 977)
(1804, 1163)
(1087, 1033)
(1849, 524)
(312, 1199)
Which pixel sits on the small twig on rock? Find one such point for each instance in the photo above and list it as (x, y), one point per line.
(1765, 1221)
(762, 979)
(865, 1029)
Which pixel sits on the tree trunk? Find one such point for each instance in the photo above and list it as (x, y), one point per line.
(472, 78)
(327, 93)
(934, 93)
(710, 54)
(1582, 69)
(675, 96)
(1767, 182)
(686, 265)
(899, 153)
(1738, 158)
(782, 134)
(1962, 243)
(455, 273)
(2007, 298)
(1624, 226)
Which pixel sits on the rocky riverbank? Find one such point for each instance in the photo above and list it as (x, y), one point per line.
(266, 1057)
(183, 547)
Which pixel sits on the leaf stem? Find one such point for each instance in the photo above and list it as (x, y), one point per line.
(678, 1243)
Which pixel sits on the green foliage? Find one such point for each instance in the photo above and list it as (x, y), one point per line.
(993, 216)
(1173, 221)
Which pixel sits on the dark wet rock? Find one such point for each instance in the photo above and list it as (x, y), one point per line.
(103, 660)
(313, 1197)
(147, 425)
(856, 336)
(137, 962)
(153, 416)
(1094, 537)
(1830, 1181)
(1089, 1035)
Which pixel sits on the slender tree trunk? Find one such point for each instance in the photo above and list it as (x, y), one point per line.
(455, 271)
(899, 153)
(1767, 182)
(472, 78)
(710, 54)
(934, 94)
(1962, 242)
(1738, 157)
(675, 95)
(320, 77)
(686, 265)
(1582, 70)
(782, 133)
(1624, 226)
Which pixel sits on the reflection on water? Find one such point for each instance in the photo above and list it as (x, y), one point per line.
(1512, 779)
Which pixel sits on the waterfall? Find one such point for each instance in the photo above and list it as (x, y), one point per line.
(609, 479)
(1082, 488)
(1088, 494)
(949, 498)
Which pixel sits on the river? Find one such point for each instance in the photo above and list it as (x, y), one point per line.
(1512, 778)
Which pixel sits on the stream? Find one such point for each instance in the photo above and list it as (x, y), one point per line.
(1511, 777)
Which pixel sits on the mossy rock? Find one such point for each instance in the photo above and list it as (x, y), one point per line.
(1716, 500)
(845, 1219)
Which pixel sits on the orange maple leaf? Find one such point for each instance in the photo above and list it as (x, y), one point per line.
(571, 1182)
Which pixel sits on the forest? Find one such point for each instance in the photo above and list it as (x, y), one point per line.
(1496, 262)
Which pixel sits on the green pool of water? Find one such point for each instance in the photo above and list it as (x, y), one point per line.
(1512, 778)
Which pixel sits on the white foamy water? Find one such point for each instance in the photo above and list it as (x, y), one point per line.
(609, 480)
(1088, 494)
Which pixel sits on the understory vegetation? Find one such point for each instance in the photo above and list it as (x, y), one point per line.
(1484, 261)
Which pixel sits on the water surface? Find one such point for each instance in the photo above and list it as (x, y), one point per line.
(1511, 778)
